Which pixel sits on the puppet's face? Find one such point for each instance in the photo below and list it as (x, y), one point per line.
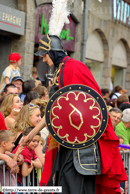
(48, 60)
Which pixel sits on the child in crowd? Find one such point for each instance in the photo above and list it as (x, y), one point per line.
(30, 158)
(7, 144)
(11, 71)
(41, 146)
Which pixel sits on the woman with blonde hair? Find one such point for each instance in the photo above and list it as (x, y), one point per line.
(29, 116)
(10, 108)
(42, 104)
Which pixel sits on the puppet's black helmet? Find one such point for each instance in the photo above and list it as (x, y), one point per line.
(49, 42)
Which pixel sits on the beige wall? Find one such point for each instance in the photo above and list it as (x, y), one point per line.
(102, 10)
(110, 32)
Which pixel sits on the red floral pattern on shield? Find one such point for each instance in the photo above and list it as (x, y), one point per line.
(76, 117)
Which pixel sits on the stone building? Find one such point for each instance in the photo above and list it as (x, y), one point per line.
(108, 42)
(107, 46)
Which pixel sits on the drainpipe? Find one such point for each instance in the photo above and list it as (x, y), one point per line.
(85, 25)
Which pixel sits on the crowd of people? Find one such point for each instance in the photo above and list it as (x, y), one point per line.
(23, 104)
(118, 105)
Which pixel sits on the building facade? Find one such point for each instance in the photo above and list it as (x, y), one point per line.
(108, 42)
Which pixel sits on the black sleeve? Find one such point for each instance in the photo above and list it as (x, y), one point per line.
(17, 140)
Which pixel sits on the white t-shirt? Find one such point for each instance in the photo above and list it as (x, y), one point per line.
(116, 95)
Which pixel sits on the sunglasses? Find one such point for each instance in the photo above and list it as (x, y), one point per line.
(31, 105)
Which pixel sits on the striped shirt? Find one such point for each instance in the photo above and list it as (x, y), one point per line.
(9, 72)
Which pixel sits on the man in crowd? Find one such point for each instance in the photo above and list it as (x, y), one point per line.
(9, 89)
(115, 114)
(18, 81)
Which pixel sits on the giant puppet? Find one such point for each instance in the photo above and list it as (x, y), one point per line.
(83, 155)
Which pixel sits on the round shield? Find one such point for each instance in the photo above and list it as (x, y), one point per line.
(76, 116)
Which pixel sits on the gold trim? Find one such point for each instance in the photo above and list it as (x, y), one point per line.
(85, 164)
(95, 152)
(41, 47)
(75, 109)
(97, 102)
(60, 127)
(56, 74)
(53, 178)
(46, 44)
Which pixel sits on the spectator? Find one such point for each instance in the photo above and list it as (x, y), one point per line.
(106, 93)
(124, 105)
(10, 107)
(9, 89)
(28, 86)
(34, 73)
(115, 114)
(10, 103)
(124, 91)
(30, 158)
(121, 99)
(123, 128)
(10, 162)
(42, 144)
(44, 132)
(42, 91)
(42, 104)
(11, 71)
(18, 81)
(118, 91)
(30, 96)
(7, 144)
(28, 116)
(111, 102)
(35, 76)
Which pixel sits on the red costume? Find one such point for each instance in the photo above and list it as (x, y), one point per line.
(2, 122)
(113, 172)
